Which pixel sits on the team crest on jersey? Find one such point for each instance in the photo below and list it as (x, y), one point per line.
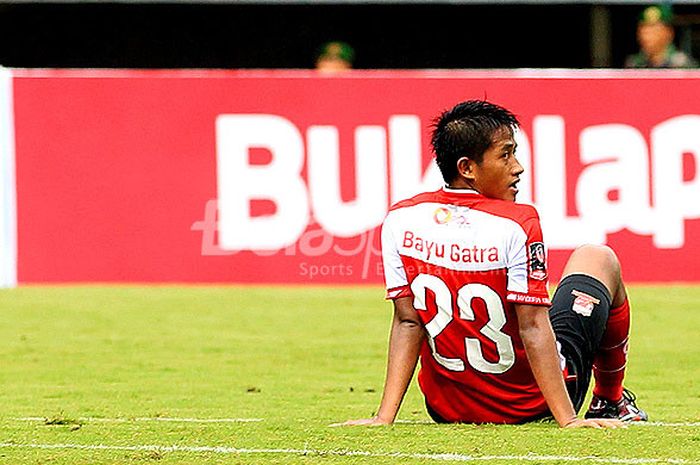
(538, 262)
(583, 303)
(451, 214)
(442, 215)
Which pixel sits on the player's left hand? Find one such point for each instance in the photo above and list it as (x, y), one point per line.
(374, 421)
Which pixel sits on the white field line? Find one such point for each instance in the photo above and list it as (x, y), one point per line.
(448, 457)
(164, 419)
(255, 420)
(632, 424)
(662, 423)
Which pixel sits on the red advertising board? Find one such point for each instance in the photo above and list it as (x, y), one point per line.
(284, 176)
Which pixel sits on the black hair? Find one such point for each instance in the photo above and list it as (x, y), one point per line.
(466, 130)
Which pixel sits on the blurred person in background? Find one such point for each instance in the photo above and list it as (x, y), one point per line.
(655, 34)
(333, 57)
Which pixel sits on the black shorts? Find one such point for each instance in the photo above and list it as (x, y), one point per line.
(579, 315)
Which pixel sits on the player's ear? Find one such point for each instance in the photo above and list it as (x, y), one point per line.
(465, 168)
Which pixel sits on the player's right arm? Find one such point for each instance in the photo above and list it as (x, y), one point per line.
(539, 341)
(528, 284)
(405, 342)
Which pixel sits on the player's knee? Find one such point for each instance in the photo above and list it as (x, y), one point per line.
(600, 256)
(596, 250)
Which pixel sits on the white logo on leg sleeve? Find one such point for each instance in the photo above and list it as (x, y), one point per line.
(584, 303)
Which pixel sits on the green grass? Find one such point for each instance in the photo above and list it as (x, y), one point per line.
(299, 359)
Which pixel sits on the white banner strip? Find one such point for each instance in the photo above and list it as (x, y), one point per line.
(8, 205)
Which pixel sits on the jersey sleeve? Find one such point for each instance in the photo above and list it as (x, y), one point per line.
(394, 271)
(527, 263)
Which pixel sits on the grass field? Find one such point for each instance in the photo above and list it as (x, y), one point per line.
(195, 375)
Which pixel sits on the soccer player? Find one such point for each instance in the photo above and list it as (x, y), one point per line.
(466, 269)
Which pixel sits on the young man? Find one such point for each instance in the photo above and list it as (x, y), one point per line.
(465, 267)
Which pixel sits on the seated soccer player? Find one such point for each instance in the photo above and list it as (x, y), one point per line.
(466, 269)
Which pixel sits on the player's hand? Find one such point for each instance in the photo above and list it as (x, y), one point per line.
(374, 421)
(595, 423)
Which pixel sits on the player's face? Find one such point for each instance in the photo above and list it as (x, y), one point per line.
(499, 172)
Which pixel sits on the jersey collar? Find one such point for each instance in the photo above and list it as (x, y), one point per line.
(459, 191)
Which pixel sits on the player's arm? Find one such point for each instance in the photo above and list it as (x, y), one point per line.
(405, 341)
(539, 341)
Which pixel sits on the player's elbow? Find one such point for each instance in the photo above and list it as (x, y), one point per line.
(410, 323)
(533, 330)
(405, 315)
(530, 335)
(532, 321)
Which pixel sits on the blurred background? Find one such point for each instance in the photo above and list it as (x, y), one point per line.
(393, 34)
(113, 112)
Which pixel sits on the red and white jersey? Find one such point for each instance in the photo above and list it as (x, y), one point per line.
(466, 260)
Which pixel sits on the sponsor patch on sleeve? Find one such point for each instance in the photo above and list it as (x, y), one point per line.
(583, 303)
(519, 298)
(537, 258)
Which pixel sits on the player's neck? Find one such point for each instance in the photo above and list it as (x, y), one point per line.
(459, 189)
(460, 184)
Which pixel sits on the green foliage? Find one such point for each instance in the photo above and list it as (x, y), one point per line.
(96, 375)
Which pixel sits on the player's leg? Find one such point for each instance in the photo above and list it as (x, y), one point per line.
(592, 314)
(611, 357)
(600, 262)
(579, 314)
